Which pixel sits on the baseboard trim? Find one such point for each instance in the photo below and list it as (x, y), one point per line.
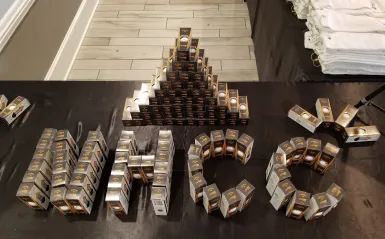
(70, 46)
(12, 19)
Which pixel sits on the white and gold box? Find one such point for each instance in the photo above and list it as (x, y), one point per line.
(41, 166)
(98, 137)
(38, 179)
(204, 141)
(231, 138)
(160, 200)
(361, 134)
(324, 112)
(32, 196)
(218, 143)
(194, 166)
(14, 110)
(3, 102)
(319, 203)
(313, 150)
(345, 118)
(195, 152)
(326, 158)
(244, 148)
(83, 181)
(335, 194)
(117, 201)
(79, 200)
(300, 145)
(66, 135)
(230, 202)
(275, 160)
(288, 149)
(57, 199)
(282, 194)
(211, 198)
(45, 154)
(277, 175)
(245, 191)
(94, 148)
(298, 205)
(304, 118)
(197, 183)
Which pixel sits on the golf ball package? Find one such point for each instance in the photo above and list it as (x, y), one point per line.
(298, 205)
(211, 198)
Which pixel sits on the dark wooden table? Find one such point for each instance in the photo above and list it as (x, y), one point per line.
(83, 106)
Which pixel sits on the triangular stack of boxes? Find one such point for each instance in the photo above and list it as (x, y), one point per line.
(185, 91)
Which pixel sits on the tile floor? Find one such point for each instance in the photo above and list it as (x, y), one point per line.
(128, 38)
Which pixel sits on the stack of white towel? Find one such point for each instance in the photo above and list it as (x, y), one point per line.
(347, 36)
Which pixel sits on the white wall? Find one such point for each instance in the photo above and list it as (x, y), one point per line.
(4, 6)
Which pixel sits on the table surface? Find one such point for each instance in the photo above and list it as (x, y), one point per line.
(84, 106)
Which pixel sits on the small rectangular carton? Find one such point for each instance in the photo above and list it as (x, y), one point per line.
(129, 136)
(117, 201)
(121, 169)
(163, 156)
(243, 110)
(313, 150)
(298, 205)
(147, 164)
(162, 180)
(319, 204)
(300, 145)
(61, 180)
(134, 167)
(82, 180)
(345, 118)
(48, 133)
(44, 144)
(41, 166)
(361, 134)
(79, 200)
(218, 142)
(222, 95)
(32, 196)
(194, 48)
(211, 198)
(62, 167)
(245, 191)
(64, 146)
(86, 169)
(45, 154)
(233, 104)
(121, 157)
(230, 202)
(195, 152)
(324, 112)
(3, 102)
(282, 194)
(184, 38)
(66, 135)
(277, 175)
(194, 166)
(89, 157)
(197, 183)
(326, 158)
(14, 110)
(163, 168)
(304, 118)
(204, 141)
(127, 118)
(64, 156)
(59, 201)
(119, 181)
(38, 179)
(126, 146)
(335, 194)
(93, 147)
(275, 160)
(288, 149)
(160, 200)
(98, 137)
(244, 148)
(231, 138)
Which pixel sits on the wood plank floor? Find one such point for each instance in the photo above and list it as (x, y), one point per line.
(127, 39)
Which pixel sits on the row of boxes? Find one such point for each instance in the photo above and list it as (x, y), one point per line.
(161, 185)
(9, 113)
(301, 151)
(220, 144)
(300, 204)
(325, 120)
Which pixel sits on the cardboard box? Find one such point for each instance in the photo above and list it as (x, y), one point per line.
(361, 134)
(194, 48)
(129, 136)
(41, 166)
(163, 156)
(222, 94)
(3, 102)
(326, 158)
(134, 110)
(38, 179)
(218, 142)
(64, 156)
(147, 164)
(160, 200)
(324, 112)
(313, 150)
(127, 119)
(57, 199)
(244, 148)
(197, 183)
(201, 59)
(289, 150)
(79, 200)
(335, 194)
(282, 194)
(195, 152)
(66, 135)
(319, 203)
(14, 110)
(121, 169)
(62, 167)
(233, 104)
(117, 201)
(277, 159)
(204, 141)
(119, 181)
(231, 138)
(63, 146)
(86, 169)
(134, 168)
(89, 157)
(93, 147)
(304, 118)
(245, 191)
(298, 205)
(44, 144)
(230, 202)
(211, 198)
(300, 145)
(48, 133)
(61, 180)
(182, 54)
(345, 118)
(184, 37)
(45, 154)
(194, 166)
(243, 110)
(32, 196)
(126, 146)
(162, 180)
(163, 168)
(121, 157)
(278, 174)
(81, 180)
(98, 137)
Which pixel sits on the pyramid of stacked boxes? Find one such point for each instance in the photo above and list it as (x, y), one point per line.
(185, 91)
